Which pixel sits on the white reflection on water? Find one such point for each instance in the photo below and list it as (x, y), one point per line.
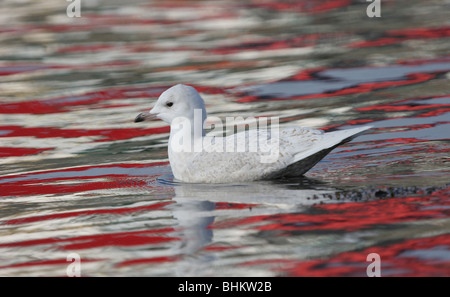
(195, 212)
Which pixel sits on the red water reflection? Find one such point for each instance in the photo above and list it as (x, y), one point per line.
(408, 125)
(304, 6)
(402, 35)
(147, 261)
(117, 211)
(44, 263)
(65, 104)
(351, 216)
(20, 151)
(411, 257)
(408, 257)
(411, 78)
(104, 134)
(55, 180)
(131, 238)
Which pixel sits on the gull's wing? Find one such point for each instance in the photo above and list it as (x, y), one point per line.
(264, 154)
(306, 159)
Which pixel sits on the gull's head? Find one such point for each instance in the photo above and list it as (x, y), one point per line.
(177, 101)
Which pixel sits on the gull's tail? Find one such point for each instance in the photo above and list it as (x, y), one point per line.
(307, 159)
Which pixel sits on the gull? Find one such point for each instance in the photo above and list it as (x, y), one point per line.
(254, 154)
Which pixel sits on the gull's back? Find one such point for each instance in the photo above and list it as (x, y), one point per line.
(290, 152)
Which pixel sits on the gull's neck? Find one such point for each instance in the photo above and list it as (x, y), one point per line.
(186, 133)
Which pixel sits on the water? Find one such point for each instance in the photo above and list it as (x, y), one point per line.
(78, 176)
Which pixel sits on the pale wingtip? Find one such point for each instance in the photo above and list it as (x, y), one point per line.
(355, 132)
(365, 128)
(359, 130)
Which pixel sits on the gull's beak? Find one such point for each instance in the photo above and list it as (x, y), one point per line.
(145, 116)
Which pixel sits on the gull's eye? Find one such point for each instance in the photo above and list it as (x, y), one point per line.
(169, 104)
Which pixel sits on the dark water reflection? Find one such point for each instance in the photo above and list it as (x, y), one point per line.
(78, 176)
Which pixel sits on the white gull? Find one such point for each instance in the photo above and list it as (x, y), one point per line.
(197, 158)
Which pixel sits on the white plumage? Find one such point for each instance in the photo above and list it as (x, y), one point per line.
(245, 156)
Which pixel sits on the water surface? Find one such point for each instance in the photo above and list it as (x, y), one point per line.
(78, 176)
